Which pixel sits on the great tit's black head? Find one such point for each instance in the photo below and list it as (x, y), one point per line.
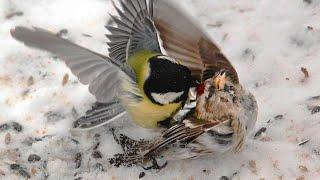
(168, 81)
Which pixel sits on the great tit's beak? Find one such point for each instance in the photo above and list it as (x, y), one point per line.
(220, 80)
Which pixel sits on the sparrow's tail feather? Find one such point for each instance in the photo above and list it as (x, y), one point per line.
(99, 115)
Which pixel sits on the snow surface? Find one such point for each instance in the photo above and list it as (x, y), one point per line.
(267, 41)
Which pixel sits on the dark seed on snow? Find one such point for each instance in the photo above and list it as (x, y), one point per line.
(307, 1)
(315, 110)
(304, 142)
(14, 166)
(33, 158)
(97, 154)
(53, 117)
(224, 178)
(260, 131)
(96, 146)
(98, 167)
(13, 14)
(4, 127)
(7, 138)
(78, 159)
(97, 137)
(16, 126)
(62, 32)
(24, 173)
(278, 117)
(142, 174)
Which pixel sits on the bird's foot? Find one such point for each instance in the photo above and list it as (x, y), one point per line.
(155, 165)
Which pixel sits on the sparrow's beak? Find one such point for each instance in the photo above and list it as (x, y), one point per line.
(220, 80)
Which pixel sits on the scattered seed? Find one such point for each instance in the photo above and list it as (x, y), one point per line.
(4, 127)
(97, 154)
(62, 32)
(224, 178)
(16, 126)
(33, 158)
(7, 138)
(30, 81)
(53, 116)
(260, 131)
(86, 35)
(33, 171)
(24, 173)
(18, 168)
(65, 79)
(303, 169)
(2, 173)
(98, 167)
(315, 109)
(253, 166)
(278, 117)
(97, 137)
(310, 28)
(248, 53)
(96, 146)
(307, 1)
(305, 72)
(14, 166)
(75, 141)
(13, 14)
(216, 24)
(78, 159)
(142, 174)
(74, 112)
(304, 142)
(314, 98)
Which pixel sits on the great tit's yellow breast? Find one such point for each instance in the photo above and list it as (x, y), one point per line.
(147, 114)
(144, 112)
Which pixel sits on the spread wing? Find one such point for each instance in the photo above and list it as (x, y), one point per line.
(184, 40)
(133, 30)
(181, 133)
(101, 73)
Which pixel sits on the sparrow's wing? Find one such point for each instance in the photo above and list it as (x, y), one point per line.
(181, 133)
(133, 30)
(184, 40)
(101, 73)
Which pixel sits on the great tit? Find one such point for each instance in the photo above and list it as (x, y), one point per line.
(156, 54)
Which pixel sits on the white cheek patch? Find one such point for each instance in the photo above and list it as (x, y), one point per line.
(167, 58)
(166, 98)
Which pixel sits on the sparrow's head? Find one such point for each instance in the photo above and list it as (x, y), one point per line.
(218, 97)
(217, 83)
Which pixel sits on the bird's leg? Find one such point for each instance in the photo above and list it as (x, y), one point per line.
(155, 165)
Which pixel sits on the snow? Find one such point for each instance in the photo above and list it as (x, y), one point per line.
(267, 41)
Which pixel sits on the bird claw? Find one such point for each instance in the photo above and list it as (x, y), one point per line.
(155, 165)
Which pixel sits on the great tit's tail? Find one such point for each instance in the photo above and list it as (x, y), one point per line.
(99, 115)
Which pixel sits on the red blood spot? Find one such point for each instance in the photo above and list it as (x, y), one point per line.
(200, 89)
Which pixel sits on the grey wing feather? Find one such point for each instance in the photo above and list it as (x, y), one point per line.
(134, 29)
(101, 73)
(99, 115)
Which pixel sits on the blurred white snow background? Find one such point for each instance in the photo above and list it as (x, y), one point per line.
(274, 45)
